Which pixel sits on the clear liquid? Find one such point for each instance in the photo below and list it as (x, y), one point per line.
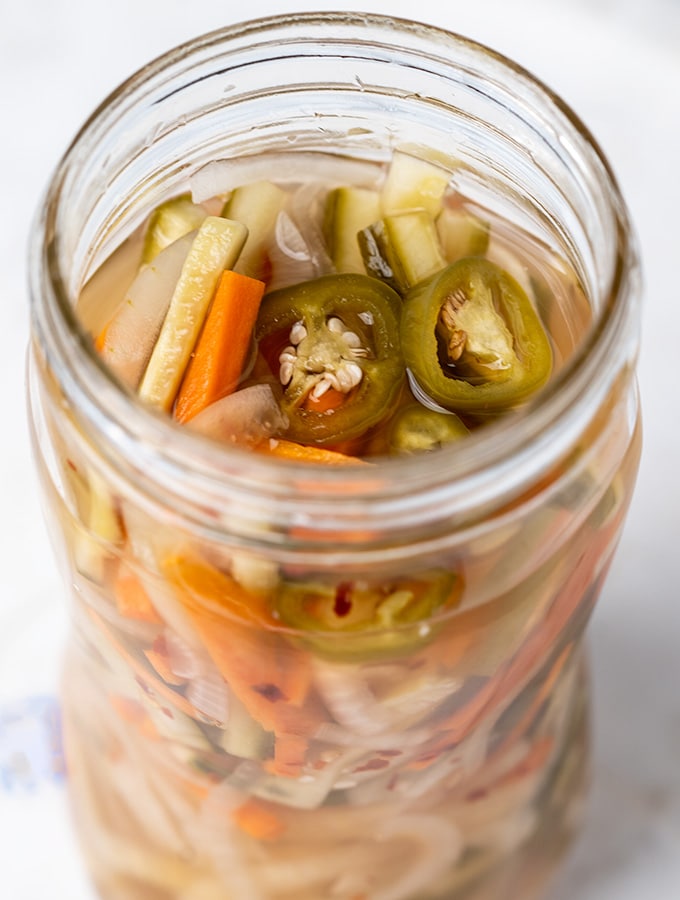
(242, 765)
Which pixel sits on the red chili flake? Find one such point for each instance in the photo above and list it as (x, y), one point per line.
(144, 686)
(372, 765)
(71, 465)
(479, 794)
(160, 645)
(270, 692)
(343, 600)
(392, 783)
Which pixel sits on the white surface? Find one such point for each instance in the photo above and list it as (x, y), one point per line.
(618, 65)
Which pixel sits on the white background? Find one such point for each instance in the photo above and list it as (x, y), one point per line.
(618, 65)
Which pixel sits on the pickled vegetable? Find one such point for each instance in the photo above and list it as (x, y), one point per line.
(473, 340)
(340, 335)
(277, 714)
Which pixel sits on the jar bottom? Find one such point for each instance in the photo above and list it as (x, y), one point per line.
(145, 830)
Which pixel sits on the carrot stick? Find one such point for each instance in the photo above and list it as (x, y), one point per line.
(290, 753)
(160, 663)
(133, 713)
(146, 676)
(221, 350)
(303, 453)
(578, 592)
(258, 819)
(270, 677)
(132, 600)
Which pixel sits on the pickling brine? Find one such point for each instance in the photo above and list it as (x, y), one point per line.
(336, 488)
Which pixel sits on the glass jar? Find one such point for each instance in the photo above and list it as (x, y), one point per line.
(215, 752)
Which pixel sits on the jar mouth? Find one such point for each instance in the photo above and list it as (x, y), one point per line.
(452, 484)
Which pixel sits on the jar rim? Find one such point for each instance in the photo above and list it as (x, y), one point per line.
(430, 487)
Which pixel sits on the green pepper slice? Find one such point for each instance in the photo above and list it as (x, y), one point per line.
(472, 339)
(338, 332)
(417, 429)
(358, 620)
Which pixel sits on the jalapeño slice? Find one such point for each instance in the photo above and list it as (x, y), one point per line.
(334, 344)
(472, 339)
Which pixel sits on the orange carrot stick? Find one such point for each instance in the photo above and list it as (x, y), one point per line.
(160, 663)
(132, 600)
(270, 677)
(221, 350)
(310, 454)
(146, 676)
(290, 753)
(258, 819)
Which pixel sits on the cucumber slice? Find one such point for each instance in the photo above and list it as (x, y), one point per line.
(168, 222)
(402, 249)
(242, 736)
(93, 546)
(461, 234)
(348, 211)
(413, 183)
(256, 206)
(216, 247)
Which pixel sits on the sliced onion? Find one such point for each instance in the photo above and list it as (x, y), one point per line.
(290, 241)
(349, 696)
(221, 841)
(506, 259)
(349, 699)
(290, 257)
(422, 695)
(208, 888)
(439, 845)
(103, 293)
(306, 208)
(209, 695)
(309, 874)
(246, 416)
(332, 733)
(145, 804)
(94, 598)
(223, 175)
(132, 333)
(150, 544)
(183, 660)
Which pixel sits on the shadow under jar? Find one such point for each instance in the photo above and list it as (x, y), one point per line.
(220, 746)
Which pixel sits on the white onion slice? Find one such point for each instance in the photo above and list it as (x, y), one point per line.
(290, 257)
(103, 292)
(220, 840)
(246, 416)
(439, 845)
(183, 659)
(349, 696)
(506, 259)
(332, 733)
(149, 544)
(349, 699)
(208, 694)
(132, 333)
(224, 175)
(306, 208)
